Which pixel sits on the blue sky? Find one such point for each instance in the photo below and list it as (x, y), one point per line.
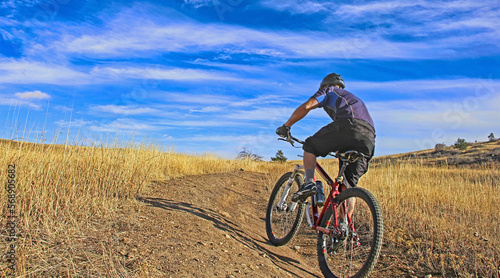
(218, 75)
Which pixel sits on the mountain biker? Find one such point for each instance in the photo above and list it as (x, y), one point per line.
(352, 129)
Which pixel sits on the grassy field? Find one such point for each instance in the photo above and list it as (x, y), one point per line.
(61, 190)
(442, 219)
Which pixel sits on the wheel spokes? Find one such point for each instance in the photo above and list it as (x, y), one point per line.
(284, 211)
(350, 247)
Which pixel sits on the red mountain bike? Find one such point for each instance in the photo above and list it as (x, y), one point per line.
(350, 227)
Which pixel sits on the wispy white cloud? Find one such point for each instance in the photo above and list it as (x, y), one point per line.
(449, 28)
(258, 107)
(18, 3)
(9, 100)
(32, 95)
(488, 20)
(460, 85)
(160, 74)
(124, 110)
(31, 99)
(195, 98)
(201, 3)
(74, 123)
(138, 40)
(141, 36)
(299, 7)
(207, 109)
(63, 108)
(429, 9)
(376, 10)
(123, 125)
(267, 114)
(30, 72)
(217, 63)
(34, 72)
(261, 100)
(152, 37)
(195, 123)
(463, 22)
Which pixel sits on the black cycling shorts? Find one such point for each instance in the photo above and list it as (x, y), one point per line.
(344, 135)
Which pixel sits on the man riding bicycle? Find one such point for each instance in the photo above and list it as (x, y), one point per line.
(352, 129)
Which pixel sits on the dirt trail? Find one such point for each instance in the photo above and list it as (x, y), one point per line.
(212, 226)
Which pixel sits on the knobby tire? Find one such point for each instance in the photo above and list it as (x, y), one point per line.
(289, 221)
(352, 257)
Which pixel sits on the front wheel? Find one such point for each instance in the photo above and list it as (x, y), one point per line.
(351, 250)
(283, 217)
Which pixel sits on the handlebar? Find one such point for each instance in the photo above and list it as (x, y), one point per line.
(290, 139)
(351, 155)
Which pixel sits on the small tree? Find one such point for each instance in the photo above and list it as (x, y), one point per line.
(247, 154)
(279, 157)
(491, 137)
(461, 144)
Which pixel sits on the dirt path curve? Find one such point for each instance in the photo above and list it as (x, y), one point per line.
(212, 226)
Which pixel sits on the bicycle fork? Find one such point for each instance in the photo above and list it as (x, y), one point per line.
(282, 204)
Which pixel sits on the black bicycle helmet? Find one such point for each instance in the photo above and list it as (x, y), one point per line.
(331, 80)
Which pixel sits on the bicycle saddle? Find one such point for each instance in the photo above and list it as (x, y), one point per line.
(350, 156)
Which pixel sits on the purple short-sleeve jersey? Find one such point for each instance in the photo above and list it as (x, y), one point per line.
(341, 104)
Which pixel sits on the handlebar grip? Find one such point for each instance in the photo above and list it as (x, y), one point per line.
(290, 139)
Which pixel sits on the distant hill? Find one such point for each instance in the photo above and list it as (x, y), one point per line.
(480, 153)
(42, 147)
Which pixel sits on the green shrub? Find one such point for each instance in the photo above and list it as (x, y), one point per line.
(461, 144)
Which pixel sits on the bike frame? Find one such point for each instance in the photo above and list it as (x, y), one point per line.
(318, 217)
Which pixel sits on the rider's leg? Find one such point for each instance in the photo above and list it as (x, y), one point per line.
(351, 204)
(309, 187)
(309, 166)
(353, 172)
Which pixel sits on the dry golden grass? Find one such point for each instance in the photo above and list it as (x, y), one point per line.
(445, 219)
(437, 219)
(63, 190)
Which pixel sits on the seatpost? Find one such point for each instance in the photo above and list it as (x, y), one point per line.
(340, 177)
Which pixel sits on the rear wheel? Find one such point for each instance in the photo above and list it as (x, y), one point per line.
(352, 250)
(283, 217)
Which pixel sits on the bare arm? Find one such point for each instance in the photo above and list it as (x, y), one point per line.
(302, 111)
